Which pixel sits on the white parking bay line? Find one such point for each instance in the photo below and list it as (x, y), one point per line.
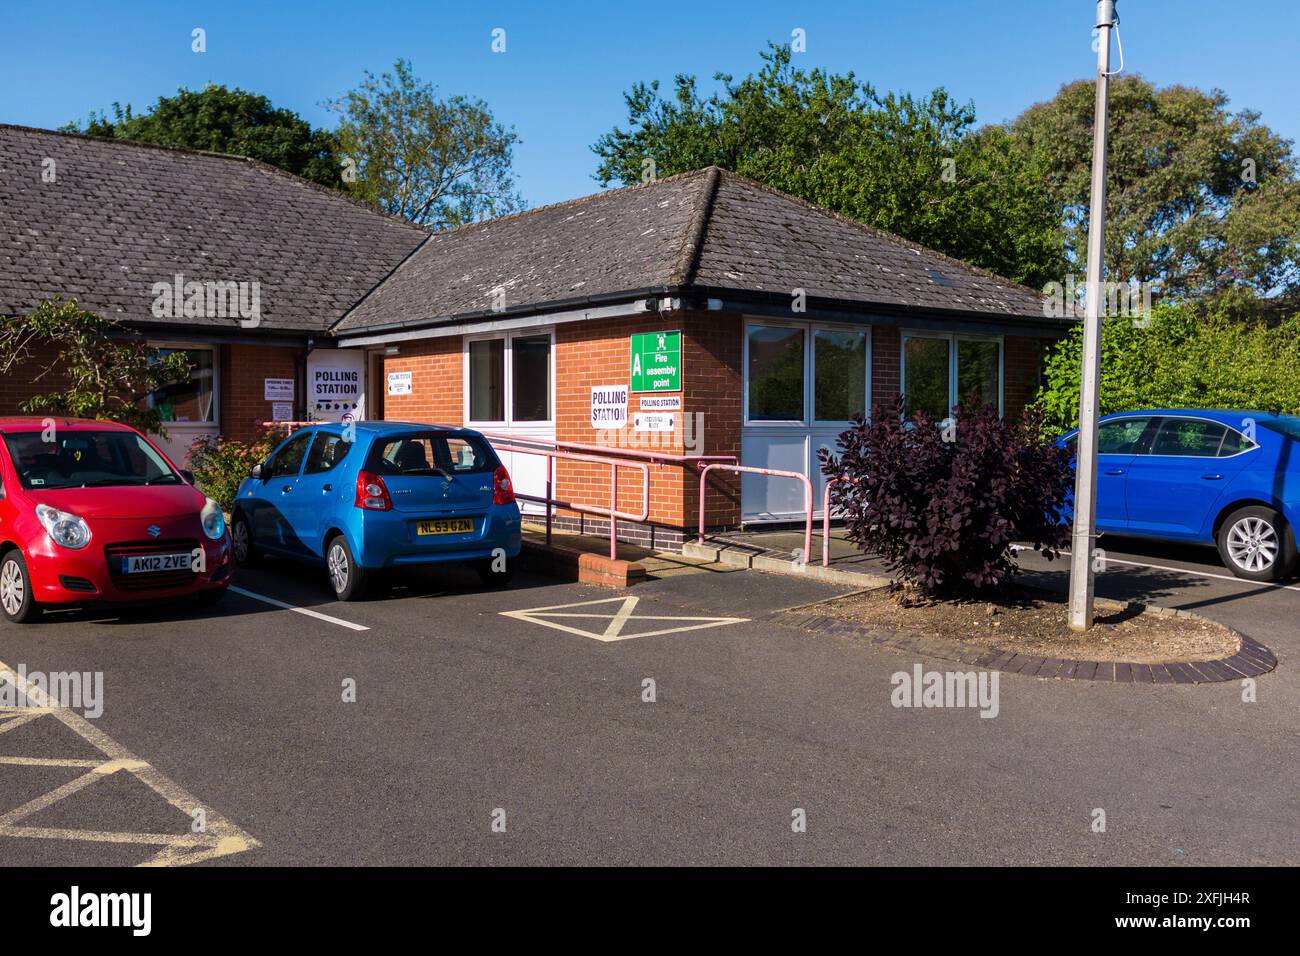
(299, 610)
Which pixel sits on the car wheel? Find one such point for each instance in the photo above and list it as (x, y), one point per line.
(16, 589)
(241, 539)
(347, 578)
(492, 578)
(1255, 543)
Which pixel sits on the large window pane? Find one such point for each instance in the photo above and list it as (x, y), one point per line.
(977, 372)
(840, 375)
(775, 374)
(925, 377)
(190, 401)
(531, 378)
(487, 380)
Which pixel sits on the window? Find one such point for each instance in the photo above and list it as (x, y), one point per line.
(285, 462)
(1234, 442)
(191, 401)
(1121, 436)
(926, 377)
(1189, 437)
(326, 452)
(531, 378)
(487, 380)
(839, 374)
(776, 367)
(77, 459)
(432, 454)
(942, 371)
(509, 378)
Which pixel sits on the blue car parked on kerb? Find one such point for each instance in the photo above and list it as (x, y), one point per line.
(375, 495)
(1206, 476)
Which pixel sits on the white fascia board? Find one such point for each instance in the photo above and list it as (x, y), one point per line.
(506, 325)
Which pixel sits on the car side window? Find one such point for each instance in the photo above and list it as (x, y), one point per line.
(326, 452)
(285, 462)
(1189, 438)
(1234, 442)
(1121, 436)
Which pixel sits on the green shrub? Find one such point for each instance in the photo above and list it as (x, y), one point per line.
(1180, 358)
(220, 464)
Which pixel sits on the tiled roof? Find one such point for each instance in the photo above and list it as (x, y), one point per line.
(118, 217)
(707, 230)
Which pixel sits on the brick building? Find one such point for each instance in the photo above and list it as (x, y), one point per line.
(702, 314)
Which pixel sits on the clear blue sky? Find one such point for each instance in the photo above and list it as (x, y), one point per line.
(561, 79)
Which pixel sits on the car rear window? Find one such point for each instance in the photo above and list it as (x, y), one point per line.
(432, 454)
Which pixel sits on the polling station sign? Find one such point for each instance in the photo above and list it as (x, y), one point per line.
(334, 390)
(608, 406)
(656, 362)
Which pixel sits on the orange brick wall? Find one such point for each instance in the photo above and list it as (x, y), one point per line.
(18, 385)
(1021, 364)
(436, 368)
(243, 368)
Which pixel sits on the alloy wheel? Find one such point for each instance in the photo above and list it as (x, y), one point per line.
(1253, 544)
(12, 589)
(241, 541)
(338, 568)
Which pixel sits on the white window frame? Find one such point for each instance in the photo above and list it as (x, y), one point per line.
(508, 369)
(216, 381)
(810, 330)
(953, 339)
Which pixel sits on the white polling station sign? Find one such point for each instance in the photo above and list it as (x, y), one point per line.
(608, 406)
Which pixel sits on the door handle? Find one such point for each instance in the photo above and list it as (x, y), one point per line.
(1115, 471)
(286, 489)
(325, 488)
(1211, 477)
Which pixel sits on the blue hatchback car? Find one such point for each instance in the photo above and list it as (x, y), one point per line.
(1226, 478)
(378, 495)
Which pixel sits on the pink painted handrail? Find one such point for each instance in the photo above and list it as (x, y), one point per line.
(773, 473)
(826, 518)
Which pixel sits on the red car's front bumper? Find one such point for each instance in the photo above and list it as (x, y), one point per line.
(93, 573)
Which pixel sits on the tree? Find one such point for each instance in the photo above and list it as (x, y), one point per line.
(227, 121)
(1199, 200)
(435, 162)
(1183, 356)
(103, 374)
(914, 166)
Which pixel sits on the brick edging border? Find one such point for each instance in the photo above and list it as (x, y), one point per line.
(1251, 660)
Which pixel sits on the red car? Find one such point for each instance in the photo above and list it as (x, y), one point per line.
(93, 512)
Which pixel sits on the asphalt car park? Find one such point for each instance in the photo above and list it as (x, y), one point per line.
(482, 732)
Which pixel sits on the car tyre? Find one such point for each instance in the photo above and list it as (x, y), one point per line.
(495, 579)
(241, 540)
(1257, 544)
(16, 600)
(348, 579)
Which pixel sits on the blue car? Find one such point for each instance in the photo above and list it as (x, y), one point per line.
(378, 495)
(1226, 478)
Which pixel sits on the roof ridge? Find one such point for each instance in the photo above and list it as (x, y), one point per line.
(884, 234)
(688, 260)
(236, 157)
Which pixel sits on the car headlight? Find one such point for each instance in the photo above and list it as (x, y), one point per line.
(66, 530)
(214, 522)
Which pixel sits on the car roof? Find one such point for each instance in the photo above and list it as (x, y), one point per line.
(1222, 415)
(36, 423)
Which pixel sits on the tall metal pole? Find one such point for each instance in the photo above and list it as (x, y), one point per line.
(1085, 488)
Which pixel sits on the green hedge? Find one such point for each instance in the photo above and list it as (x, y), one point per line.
(1179, 358)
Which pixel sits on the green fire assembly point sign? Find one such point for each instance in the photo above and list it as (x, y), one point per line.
(657, 362)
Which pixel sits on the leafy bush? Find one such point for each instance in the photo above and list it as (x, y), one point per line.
(220, 464)
(942, 506)
(1180, 358)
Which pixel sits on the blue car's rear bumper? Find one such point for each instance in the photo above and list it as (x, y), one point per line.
(390, 539)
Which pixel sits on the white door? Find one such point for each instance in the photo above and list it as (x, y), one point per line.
(510, 390)
(803, 382)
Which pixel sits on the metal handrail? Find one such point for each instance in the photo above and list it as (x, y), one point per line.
(826, 517)
(773, 473)
(653, 457)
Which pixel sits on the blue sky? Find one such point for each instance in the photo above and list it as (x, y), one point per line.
(560, 81)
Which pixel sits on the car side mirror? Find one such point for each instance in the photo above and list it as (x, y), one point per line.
(187, 475)
(255, 471)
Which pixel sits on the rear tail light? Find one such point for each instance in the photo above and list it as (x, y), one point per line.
(372, 493)
(503, 492)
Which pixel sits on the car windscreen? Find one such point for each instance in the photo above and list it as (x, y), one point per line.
(86, 459)
(1288, 425)
(431, 453)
